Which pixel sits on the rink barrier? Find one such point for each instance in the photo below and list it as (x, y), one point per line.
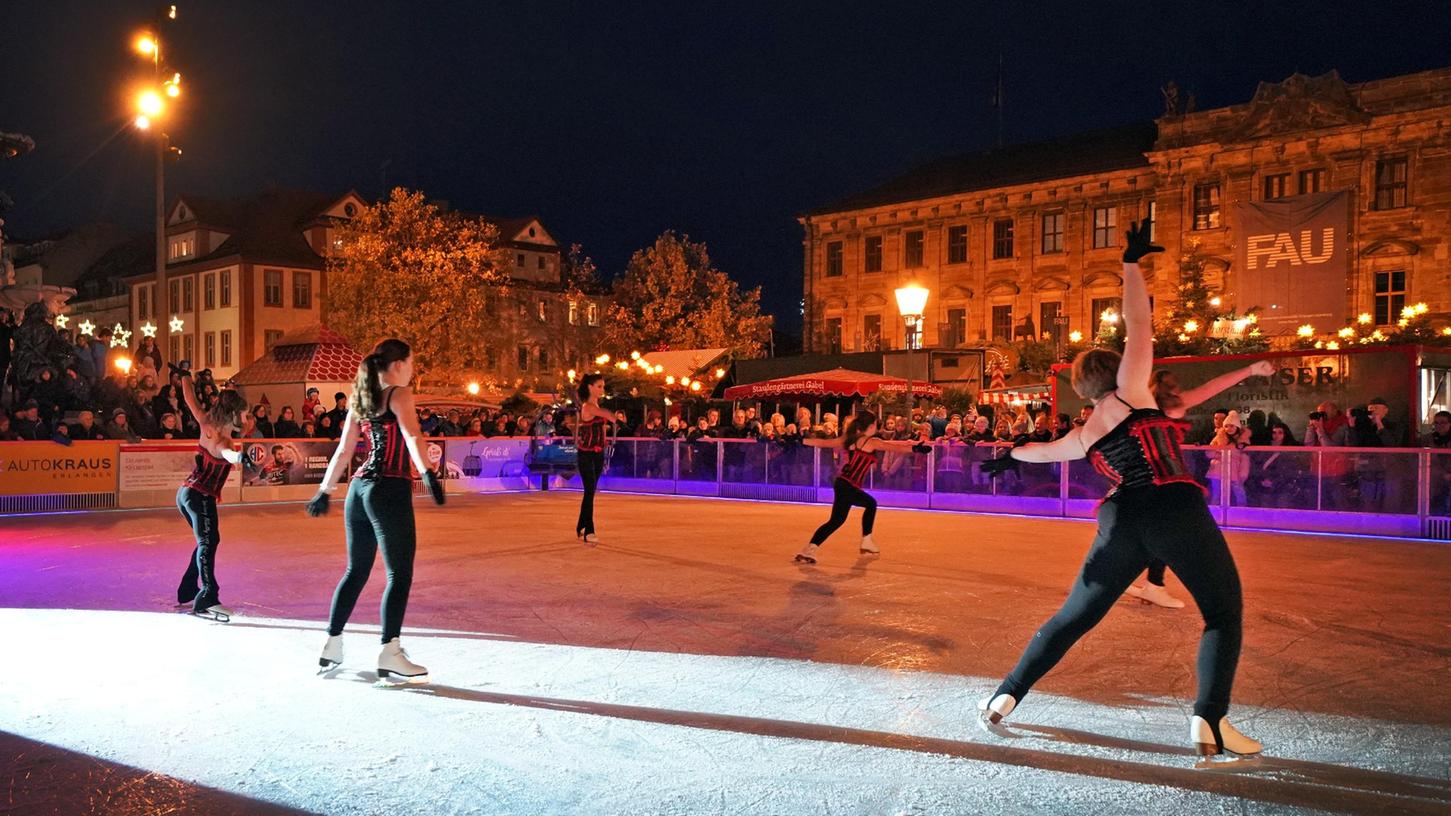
(1396, 492)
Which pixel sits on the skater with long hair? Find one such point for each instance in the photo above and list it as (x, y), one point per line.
(590, 444)
(378, 511)
(861, 445)
(1175, 403)
(197, 497)
(1155, 510)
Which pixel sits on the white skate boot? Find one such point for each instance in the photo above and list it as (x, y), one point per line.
(332, 653)
(394, 661)
(869, 547)
(808, 554)
(1156, 595)
(994, 709)
(216, 612)
(1212, 739)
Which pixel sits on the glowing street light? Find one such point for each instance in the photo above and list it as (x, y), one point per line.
(911, 303)
(149, 103)
(146, 45)
(473, 389)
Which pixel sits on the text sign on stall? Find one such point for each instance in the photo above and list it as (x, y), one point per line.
(42, 468)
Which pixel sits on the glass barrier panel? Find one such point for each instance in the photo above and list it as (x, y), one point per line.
(905, 472)
(653, 459)
(743, 462)
(698, 461)
(1279, 477)
(1440, 482)
(1084, 482)
(789, 464)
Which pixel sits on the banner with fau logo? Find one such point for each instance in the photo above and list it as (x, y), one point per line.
(1292, 259)
(43, 468)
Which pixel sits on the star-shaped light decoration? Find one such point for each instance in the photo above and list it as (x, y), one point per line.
(148, 329)
(176, 324)
(86, 327)
(61, 321)
(119, 336)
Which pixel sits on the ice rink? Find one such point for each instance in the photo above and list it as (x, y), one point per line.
(687, 666)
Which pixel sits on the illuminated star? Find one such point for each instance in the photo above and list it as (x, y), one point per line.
(148, 329)
(61, 320)
(86, 327)
(176, 324)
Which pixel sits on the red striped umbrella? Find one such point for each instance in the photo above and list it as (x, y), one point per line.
(838, 382)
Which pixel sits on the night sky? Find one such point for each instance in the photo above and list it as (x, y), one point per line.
(615, 121)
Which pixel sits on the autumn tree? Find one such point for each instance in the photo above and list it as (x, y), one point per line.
(672, 296)
(403, 268)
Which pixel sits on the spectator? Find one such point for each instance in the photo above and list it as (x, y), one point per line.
(168, 427)
(7, 433)
(428, 421)
(325, 427)
(521, 426)
(753, 423)
(76, 389)
(675, 428)
(100, 347)
(307, 430)
(474, 428)
(49, 395)
(1439, 437)
(286, 426)
(1277, 478)
(85, 427)
(120, 427)
(1234, 474)
(544, 426)
(336, 415)
(951, 459)
(310, 405)
(779, 420)
(84, 364)
(1388, 433)
(502, 426)
(264, 425)
(7, 331)
(829, 428)
(148, 351)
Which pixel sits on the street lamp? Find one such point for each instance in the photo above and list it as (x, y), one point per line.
(151, 106)
(912, 303)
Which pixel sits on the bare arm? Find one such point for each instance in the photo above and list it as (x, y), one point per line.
(188, 395)
(342, 457)
(821, 443)
(894, 445)
(1068, 448)
(1138, 356)
(1201, 393)
(402, 406)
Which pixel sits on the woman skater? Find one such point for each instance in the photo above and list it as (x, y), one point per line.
(861, 443)
(1175, 404)
(197, 498)
(590, 442)
(1155, 510)
(378, 511)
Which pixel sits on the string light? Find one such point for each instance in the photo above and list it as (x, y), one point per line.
(86, 327)
(1333, 345)
(719, 372)
(685, 381)
(603, 359)
(61, 321)
(472, 388)
(1191, 326)
(1215, 301)
(571, 374)
(622, 365)
(119, 336)
(634, 355)
(1364, 319)
(669, 379)
(1075, 336)
(1109, 316)
(148, 329)
(695, 385)
(1306, 330)
(1346, 333)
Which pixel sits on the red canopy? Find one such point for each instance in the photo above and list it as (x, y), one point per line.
(838, 382)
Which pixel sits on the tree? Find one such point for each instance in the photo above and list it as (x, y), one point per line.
(1197, 324)
(671, 296)
(404, 269)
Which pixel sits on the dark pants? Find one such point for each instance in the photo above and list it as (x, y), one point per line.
(1156, 572)
(591, 465)
(1171, 523)
(377, 512)
(200, 511)
(846, 495)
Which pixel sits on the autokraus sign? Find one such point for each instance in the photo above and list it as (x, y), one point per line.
(34, 468)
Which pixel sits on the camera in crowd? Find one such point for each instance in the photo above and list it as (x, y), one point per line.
(1317, 415)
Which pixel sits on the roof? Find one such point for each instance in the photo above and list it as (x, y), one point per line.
(684, 362)
(835, 382)
(312, 354)
(266, 228)
(1078, 155)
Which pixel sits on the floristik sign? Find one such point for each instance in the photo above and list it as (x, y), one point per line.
(39, 468)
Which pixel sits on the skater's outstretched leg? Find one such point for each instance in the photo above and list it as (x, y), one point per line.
(362, 551)
(201, 511)
(186, 591)
(391, 507)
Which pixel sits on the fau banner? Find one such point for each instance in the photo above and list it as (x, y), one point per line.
(1293, 260)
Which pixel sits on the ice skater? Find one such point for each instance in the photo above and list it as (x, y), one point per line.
(861, 443)
(378, 511)
(1175, 404)
(589, 441)
(197, 498)
(1155, 510)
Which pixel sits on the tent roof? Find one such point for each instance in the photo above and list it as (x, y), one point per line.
(311, 354)
(684, 362)
(839, 382)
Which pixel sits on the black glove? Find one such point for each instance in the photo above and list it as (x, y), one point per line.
(921, 447)
(178, 370)
(1137, 243)
(319, 505)
(995, 467)
(435, 487)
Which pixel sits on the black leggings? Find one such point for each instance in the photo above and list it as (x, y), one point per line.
(200, 511)
(1171, 523)
(377, 512)
(1156, 571)
(846, 495)
(591, 465)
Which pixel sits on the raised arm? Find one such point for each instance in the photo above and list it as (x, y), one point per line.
(895, 445)
(1138, 356)
(188, 395)
(1206, 391)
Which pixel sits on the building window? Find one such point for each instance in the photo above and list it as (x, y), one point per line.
(1206, 206)
(1003, 322)
(175, 287)
(302, 290)
(574, 313)
(270, 338)
(520, 261)
(912, 249)
(226, 348)
(1390, 297)
(188, 347)
(1003, 238)
(226, 288)
(539, 263)
(833, 335)
(872, 253)
(957, 244)
(1053, 232)
(188, 294)
(1312, 181)
(1153, 216)
(209, 349)
(272, 287)
(592, 314)
(1390, 183)
(872, 333)
(914, 333)
(143, 302)
(523, 358)
(1048, 320)
(543, 311)
(956, 327)
(543, 359)
(173, 346)
(1105, 227)
(1276, 185)
(833, 259)
(182, 248)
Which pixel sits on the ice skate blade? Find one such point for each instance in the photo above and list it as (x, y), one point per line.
(213, 616)
(1230, 762)
(387, 678)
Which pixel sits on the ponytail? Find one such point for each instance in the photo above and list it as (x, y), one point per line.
(367, 386)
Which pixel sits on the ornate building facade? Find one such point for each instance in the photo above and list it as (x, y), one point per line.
(1023, 241)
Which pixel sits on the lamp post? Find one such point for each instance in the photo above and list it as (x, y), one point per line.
(912, 303)
(151, 105)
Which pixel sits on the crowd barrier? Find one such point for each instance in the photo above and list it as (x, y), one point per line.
(1401, 492)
